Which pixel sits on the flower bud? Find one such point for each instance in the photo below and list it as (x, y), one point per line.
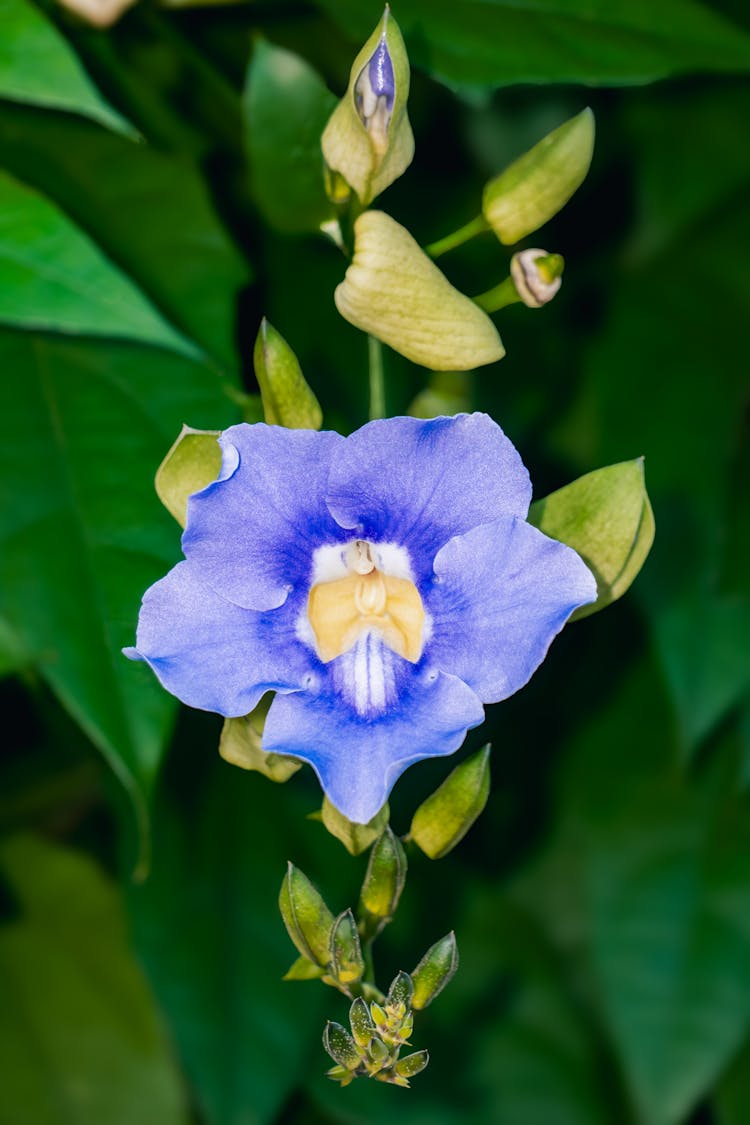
(412, 1064)
(347, 963)
(307, 918)
(240, 745)
(537, 185)
(448, 814)
(434, 971)
(400, 993)
(193, 462)
(287, 398)
(368, 139)
(395, 292)
(537, 276)
(383, 883)
(356, 838)
(360, 1021)
(340, 1046)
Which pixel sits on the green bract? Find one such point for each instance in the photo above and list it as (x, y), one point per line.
(193, 462)
(537, 185)
(370, 156)
(240, 744)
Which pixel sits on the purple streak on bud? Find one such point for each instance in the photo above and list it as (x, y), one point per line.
(375, 91)
(381, 74)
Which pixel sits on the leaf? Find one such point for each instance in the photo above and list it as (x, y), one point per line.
(150, 213)
(80, 1038)
(208, 930)
(38, 65)
(82, 534)
(286, 106)
(53, 277)
(606, 517)
(482, 44)
(193, 462)
(732, 1096)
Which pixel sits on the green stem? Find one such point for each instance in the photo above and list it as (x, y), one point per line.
(497, 298)
(463, 234)
(377, 378)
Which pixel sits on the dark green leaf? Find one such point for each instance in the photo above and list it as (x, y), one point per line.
(286, 108)
(80, 1039)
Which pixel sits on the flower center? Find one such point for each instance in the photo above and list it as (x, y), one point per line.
(365, 599)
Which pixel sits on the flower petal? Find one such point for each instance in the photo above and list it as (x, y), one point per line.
(251, 534)
(358, 760)
(502, 593)
(212, 654)
(418, 483)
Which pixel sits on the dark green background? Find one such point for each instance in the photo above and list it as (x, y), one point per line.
(602, 902)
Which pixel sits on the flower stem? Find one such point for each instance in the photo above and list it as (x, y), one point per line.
(497, 298)
(463, 234)
(377, 378)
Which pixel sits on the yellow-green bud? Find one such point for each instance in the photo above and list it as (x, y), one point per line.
(539, 184)
(536, 275)
(434, 971)
(356, 838)
(240, 745)
(347, 963)
(308, 920)
(384, 879)
(396, 293)
(446, 816)
(340, 1046)
(287, 398)
(368, 139)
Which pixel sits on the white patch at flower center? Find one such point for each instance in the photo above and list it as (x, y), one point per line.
(365, 675)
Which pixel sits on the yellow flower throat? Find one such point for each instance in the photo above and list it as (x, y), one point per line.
(341, 610)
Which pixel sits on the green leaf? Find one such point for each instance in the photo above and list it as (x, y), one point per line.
(446, 816)
(606, 517)
(149, 212)
(286, 105)
(732, 1096)
(80, 1038)
(240, 745)
(287, 398)
(356, 838)
(82, 535)
(38, 65)
(193, 462)
(481, 44)
(53, 277)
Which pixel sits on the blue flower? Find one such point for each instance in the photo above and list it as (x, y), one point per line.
(384, 585)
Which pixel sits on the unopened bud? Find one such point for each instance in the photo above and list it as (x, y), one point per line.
(356, 838)
(537, 185)
(287, 398)
(412, 1064)
(307, 918)
(383, 883)
(240, 744)
(537, 276)
(360, 1020)
(340, 1046)
(400, 993)
(446, 816)
(347, 963)
(368, 139)
(434, 971)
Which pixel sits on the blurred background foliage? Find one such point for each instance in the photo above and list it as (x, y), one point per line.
(602, 902)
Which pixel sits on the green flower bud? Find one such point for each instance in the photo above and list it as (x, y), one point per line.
(446, 816)
(537, 276)
(340, 1046)
(539, 184)
(307, 918)
(240, 745)
(379, 1054)
(368, 139)
(383, 883)
(287, 399)
(399, 994)
(193, 462)
(395, 292)
(434, 971)
(356, 838)
(412, 1064)
(347, 963)
(360, 1020)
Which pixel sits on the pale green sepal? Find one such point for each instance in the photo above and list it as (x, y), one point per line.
(434, 971)
(356, 838)
(383, 882)
(303, 969)
(287, 399)
(539, 184)
(607, 518)
(240, 745)
(393, 291)
(410, 1065)
(347, 963)
(340, 1046)
(348, 148)
(307, 918)
(446, 816)
(193, 462)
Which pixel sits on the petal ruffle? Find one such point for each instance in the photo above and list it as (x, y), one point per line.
(501, 594)
(417, 483)
(212, 654)
(359, 760)
(251, 534)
